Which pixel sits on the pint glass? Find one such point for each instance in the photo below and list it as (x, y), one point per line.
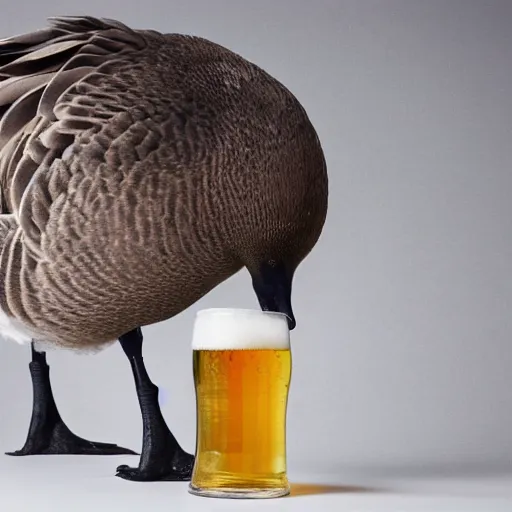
(242, 370)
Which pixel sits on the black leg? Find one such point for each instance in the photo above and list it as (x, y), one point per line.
(48, 434)
(162, 457)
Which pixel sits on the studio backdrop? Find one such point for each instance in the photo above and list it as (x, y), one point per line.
(402, 354)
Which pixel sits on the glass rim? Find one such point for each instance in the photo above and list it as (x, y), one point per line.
(231, 311)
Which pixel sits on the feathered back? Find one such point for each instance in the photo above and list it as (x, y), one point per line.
(141, 170)
(36, 69)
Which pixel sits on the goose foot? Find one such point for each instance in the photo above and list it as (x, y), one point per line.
(59, 440)
(164, 467)
(48, 434)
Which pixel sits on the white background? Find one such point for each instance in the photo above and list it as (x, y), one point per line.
(403, 350)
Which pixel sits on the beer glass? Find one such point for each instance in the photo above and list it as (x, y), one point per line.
(242, 370)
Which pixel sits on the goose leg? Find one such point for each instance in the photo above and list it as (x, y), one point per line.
(48, 434)
(162, 457)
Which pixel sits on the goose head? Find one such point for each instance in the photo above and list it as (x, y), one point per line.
(279, 222)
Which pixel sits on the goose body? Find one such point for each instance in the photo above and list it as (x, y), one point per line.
(138, 171)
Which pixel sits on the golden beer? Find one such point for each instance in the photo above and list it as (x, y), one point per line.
(242, 370)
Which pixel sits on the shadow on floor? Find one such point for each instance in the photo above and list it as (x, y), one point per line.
(302, 489)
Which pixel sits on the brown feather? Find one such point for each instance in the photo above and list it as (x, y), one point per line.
(15, 87)
(21, 112)
(65, 78)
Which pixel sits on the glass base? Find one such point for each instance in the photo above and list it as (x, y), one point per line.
(238, 493)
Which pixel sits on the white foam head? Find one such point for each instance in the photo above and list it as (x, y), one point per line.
(240, 329)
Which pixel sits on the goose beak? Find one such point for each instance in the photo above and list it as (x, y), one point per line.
(291, 321)
(273, 289)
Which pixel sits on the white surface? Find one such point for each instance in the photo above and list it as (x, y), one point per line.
(79, 484)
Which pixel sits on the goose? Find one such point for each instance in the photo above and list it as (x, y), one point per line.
(138, 171)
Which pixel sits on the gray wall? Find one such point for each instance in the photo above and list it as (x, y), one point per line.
(403, 351)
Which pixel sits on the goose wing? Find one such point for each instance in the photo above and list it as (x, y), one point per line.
(38, 120)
